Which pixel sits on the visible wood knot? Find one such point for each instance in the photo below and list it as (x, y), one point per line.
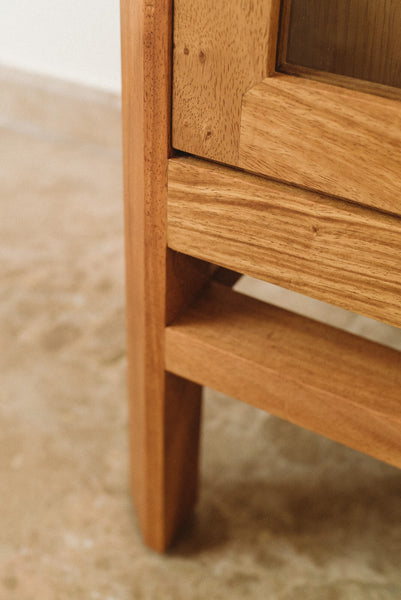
(186, 50)
(202, 56)
(208, 135)
(315, 228)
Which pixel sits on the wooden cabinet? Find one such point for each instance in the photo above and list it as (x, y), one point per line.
(231, 105)
(234, 167)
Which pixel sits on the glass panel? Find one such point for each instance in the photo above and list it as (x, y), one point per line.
(356, 38)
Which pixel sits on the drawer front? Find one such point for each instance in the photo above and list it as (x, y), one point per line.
(231, 106)
(335, 251)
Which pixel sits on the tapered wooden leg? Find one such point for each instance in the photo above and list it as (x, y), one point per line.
(164, 460)
(164, 409)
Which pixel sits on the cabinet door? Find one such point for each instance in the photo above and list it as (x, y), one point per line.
(331, 122)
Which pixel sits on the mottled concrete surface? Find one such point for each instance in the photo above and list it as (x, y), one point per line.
(283, 515)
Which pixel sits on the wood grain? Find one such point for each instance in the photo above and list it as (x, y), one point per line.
(326, 138)
(316, 376)
(359, 85)
(221, 49)
(230, 106)
(164, 411)
(356, 38)
(331, 250)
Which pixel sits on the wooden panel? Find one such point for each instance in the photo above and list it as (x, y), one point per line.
(359, 85)
(328, 36)
(331, 250)
(329, 381)
(164, 412)
(326, 138)
(221, 49)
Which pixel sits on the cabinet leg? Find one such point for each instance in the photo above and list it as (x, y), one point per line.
(164, 459)
(164, 409)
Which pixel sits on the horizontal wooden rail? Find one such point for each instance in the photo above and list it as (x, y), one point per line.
(324, 137)
(332, 250)
(332, 382)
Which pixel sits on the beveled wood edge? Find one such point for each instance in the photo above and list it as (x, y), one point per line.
(351, 83)
(283, 32)
(273, 44)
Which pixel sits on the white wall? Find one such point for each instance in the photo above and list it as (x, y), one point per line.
(77, 40)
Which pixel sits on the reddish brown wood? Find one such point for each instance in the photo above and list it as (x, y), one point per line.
(164, 410)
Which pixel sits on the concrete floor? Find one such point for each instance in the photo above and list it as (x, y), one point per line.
(283, 515)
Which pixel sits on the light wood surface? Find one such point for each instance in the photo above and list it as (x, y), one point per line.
(322, 137)
(321, 378)
(221, 49)
(359, 85)
(164, 412)
(331, 250)
(356, 38)
(229, 105)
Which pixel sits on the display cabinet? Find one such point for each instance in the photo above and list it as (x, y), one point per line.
(260, 138)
